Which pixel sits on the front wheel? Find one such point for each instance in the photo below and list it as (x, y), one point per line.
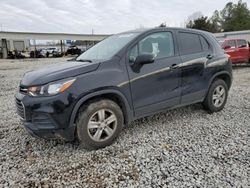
(216, 97)
(99, 123)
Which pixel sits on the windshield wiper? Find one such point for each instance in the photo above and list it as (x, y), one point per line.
(84, 60)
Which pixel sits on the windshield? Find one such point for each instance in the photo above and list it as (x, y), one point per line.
(108, 47)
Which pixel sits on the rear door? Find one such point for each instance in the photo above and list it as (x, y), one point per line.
(155, 86)
(195, 52)
(243, 50)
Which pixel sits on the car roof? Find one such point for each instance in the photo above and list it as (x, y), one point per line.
(143, 30)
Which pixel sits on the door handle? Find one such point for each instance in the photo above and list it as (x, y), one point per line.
(174, 66)
(210, 56)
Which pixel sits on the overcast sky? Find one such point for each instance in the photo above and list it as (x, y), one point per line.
(104, 16)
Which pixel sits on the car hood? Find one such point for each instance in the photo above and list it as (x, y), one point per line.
(58, 71)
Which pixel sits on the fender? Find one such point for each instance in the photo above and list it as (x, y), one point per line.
(129, 112)
(218, 74)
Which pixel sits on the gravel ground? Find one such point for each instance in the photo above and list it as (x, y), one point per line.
(185, 147)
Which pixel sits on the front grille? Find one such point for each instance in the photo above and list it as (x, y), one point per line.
(20, 109)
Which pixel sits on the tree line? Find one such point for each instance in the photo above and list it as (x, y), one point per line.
(233, 17)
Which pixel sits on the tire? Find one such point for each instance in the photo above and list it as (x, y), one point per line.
(99, 123)
(211, 103)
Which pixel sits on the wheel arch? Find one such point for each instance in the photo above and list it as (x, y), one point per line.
(111, 94)
(224, 75)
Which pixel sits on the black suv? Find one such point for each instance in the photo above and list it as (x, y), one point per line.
(122, 78)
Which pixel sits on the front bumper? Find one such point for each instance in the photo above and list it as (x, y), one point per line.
(47, 117)
(67, 134)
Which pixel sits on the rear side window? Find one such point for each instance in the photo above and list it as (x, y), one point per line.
(205, 44)
(189, 43)
(242, 43)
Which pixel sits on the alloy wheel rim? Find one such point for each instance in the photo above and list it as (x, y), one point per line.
(102, 125)
(219, 96)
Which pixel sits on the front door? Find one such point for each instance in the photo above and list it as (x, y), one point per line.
(155, 86)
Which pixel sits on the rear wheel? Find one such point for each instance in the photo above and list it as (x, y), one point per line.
(99, 123)
(216, 97)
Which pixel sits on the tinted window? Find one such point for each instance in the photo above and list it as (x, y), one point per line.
(160, 44)
(205, 44)
(242, 43)
(190, 43)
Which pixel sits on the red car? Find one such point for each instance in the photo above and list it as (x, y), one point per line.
(237, 49)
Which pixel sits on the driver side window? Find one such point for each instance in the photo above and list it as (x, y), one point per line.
(159, 44)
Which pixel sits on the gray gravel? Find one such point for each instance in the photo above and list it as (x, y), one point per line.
(185, 147)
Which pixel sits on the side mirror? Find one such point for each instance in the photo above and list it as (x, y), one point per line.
(141, 60)
(145, 59)
(227, 47)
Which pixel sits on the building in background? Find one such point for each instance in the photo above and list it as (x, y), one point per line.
(233, 35)
(12, 45)
(19, 45)
(20, 41)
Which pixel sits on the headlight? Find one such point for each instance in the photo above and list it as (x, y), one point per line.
(51, 88)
